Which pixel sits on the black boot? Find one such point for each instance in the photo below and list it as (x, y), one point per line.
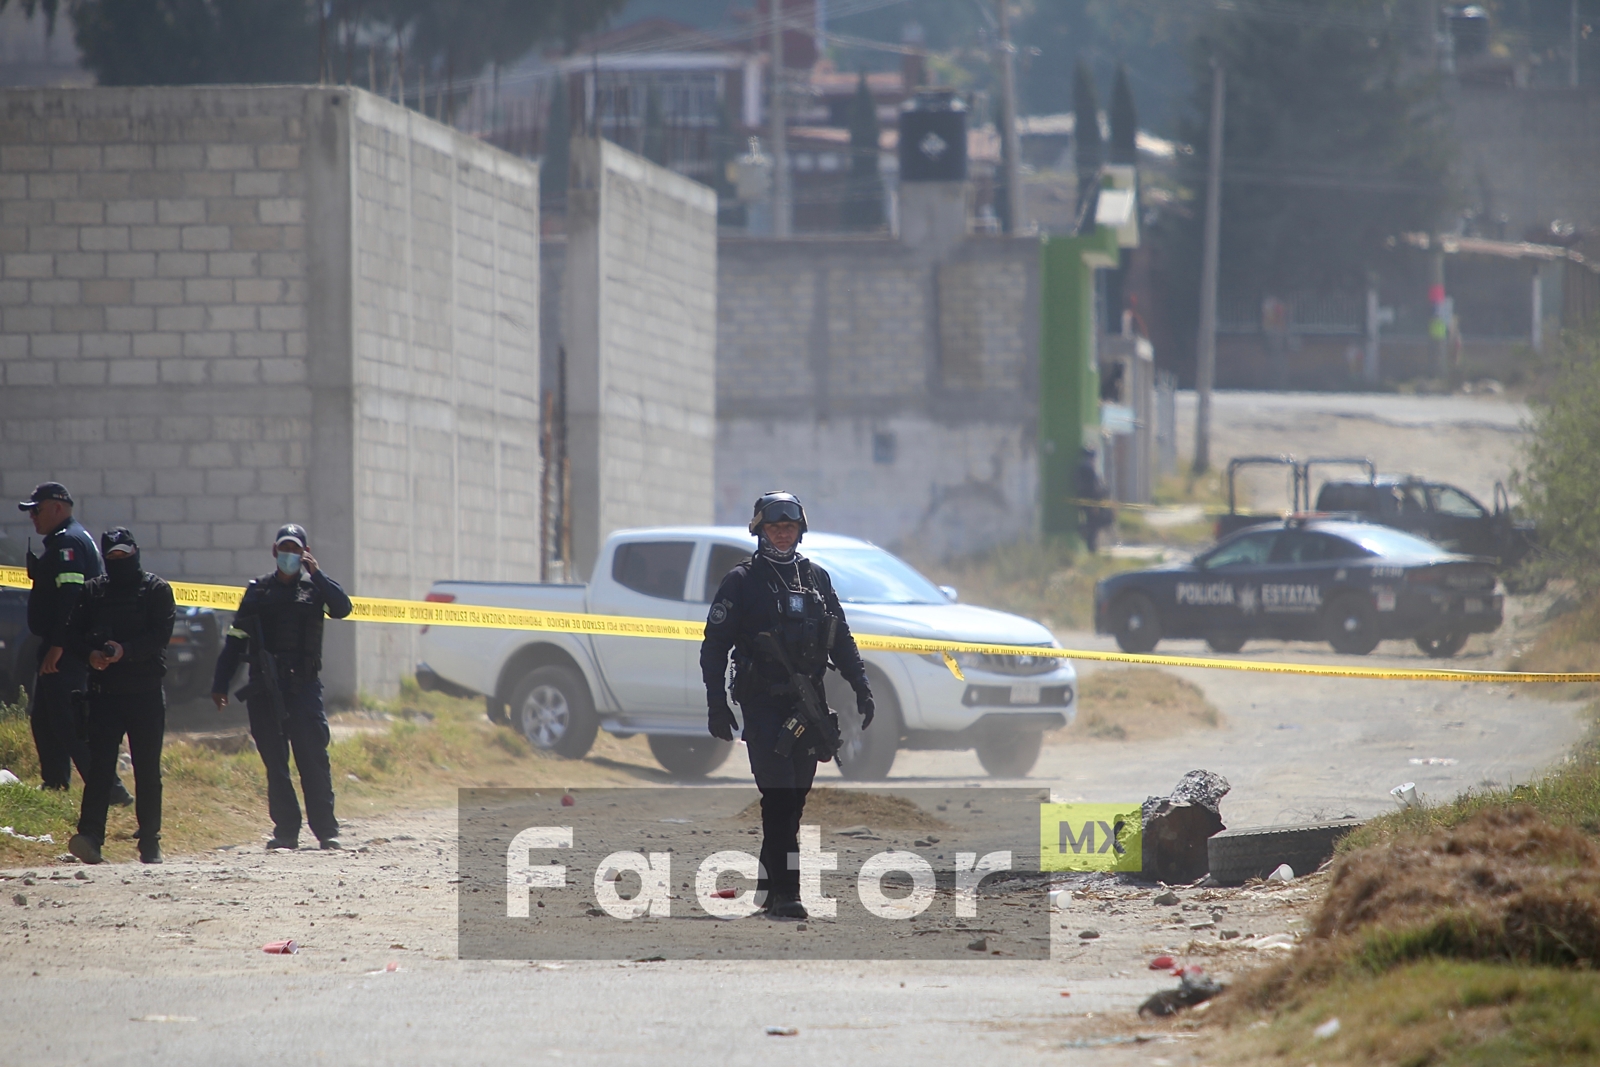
(85, 848)
(150, 849)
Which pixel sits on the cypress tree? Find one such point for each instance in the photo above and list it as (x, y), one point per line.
(1124, 121)
(1087, 149)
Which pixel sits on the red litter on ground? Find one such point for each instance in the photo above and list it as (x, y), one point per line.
(567, 800)
(281, 948)
(1161, 963)
(725, 894)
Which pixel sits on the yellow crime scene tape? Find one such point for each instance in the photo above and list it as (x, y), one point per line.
(428, 613)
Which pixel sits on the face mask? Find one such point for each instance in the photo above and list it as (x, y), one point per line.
(123, 569)
(289, 562)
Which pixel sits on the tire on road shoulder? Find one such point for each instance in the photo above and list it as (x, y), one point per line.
(1235, 856)
(1135, 623)
(689, 757)
(866, 755)
(1009, 752)
(551, 707)
(1441, 646)
(1351, 625)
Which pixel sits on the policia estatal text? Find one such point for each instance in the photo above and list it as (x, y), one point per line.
(70, 559)
(279, 624)
(778, 614)
(120, 627)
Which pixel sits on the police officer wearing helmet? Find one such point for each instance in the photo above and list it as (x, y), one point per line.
(284, 611)
(779, 592)
(121, 626)
(70, 559)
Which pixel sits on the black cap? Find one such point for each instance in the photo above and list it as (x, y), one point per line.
(45, 491)
(119, 535)
(292, 531)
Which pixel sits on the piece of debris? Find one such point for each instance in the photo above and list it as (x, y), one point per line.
(163, 1019)
(1102, 1042)
(7, 778)
(1406, 795)
(1177, 826)
(287, 947)
(1169, 899)
(725, 894)
(19, 900)
(651, 959)
(1207, 924)
(1432, 761)
(1229, 935)
(1195, 987)
(42, 838)
(1326, 1030)
(1088, 935)
(1281, 873)
(1161, 963)
(783, 1031)
(979, 944)
(568, 800)
(80, 876)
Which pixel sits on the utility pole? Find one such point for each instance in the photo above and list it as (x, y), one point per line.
(1008, 122)
(1206, 345)
(782, 200)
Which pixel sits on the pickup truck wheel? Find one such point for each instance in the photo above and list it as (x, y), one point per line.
(1135, 623)
(552, 708)
(1441, 647)
(1352, 626)
(865, 755)
(1226, 643)
(689, 757)
(1009, 753)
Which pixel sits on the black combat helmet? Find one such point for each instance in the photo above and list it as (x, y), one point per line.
(777, 506)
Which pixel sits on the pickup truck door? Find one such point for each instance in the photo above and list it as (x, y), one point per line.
(647, 580)
(1459, 523)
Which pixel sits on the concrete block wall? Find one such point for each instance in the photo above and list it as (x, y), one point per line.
(856, 371)
(640, 327)
(186, 341)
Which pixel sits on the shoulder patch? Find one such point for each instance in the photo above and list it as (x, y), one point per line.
(719, 612)
(68, 555)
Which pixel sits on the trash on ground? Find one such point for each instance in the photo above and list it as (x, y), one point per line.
(1194, 987)
(1432, 761)
(1406, 795)
(7, 778)
(725, 894)
(163, 1019)
(1177, 826)
(567, 800)
(979, 944)
(43, 838)
(287, 947)
(1281, 873)
(782, 1031)
(1088, 935)
(1161, 963)
(1326, 1030)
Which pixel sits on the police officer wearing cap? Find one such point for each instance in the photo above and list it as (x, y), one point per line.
(120, 627)
(284, 611)
(70, 559)
(778, 591)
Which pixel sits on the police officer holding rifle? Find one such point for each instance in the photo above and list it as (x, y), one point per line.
(279, 623)
(779, 616)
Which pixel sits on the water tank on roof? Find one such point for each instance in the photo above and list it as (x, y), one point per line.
(933, 137)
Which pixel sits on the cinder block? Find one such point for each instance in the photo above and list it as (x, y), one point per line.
(258, 343)
(258, 290)
(81, 372)
(13, 293)
(52, 238)
(30, 372)
(104, 186)
(208, 291)
(108, 291)
(29, 265)
(235, 371)
(107, 345)
(179, 157)
(207, 345)
(181, 264)
(181, 212)
(129, 157)
(81, 265)
(56, 292)
(154, 238)
(180, 318)
(233, 264)
(183, 371)
(26, 213)
(13, 238)
(262, 508)
(98, 130)
(78, 318)
(79, 212)
(258, 128)
(230, 156)
(134, 372)
(239, 535)
(231, 211)
(232, 317)
(282, 265)
(282, 212)
(183, 482)
(24, 157)
(173, 534)
(156, 184)
(208, 129)
(286, 317)
(103, 238)
(213, 454)
(157, 291)
(258, 183)
(259, 238)
(210, 509)
(29, 319)
(155, 457)
(130, 319)
(158, 346)
(279, 481)
(207, 185)
(263, 454)
(206, 239)
(232, 481)
(276, 157)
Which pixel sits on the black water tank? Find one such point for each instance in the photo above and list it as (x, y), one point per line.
(933, 138)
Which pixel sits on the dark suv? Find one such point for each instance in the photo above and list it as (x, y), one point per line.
(1444, 514)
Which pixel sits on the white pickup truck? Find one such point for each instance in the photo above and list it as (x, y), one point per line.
(560, 689)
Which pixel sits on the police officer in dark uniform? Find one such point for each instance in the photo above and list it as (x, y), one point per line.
(70, 559)
(1090, 486)
(121, 626)
(779, 592)
(284, 611)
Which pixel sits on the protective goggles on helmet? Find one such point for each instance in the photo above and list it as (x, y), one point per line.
(781, 511)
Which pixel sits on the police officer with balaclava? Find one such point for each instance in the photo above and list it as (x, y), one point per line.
(284, 611)
(121, 626)
(779, 592)
(70, 559)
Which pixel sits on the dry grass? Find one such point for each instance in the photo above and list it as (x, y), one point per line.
(1136, 704)
(1569, 641)
(431, 746)
(1045, 581)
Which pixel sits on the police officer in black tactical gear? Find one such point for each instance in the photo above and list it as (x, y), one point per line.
(120, 627)
(281, 614)
(70, 558)
(779, 592)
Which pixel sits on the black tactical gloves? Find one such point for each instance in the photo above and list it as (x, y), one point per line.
(719, 719)
(865, 706)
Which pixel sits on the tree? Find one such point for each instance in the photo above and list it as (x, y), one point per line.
(1563, 464)
(1087, 148)
(1124, 121)
(863, 207)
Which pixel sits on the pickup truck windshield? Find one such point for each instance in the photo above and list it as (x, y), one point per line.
(873, 576)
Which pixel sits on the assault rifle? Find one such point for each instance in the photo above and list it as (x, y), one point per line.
(810, 714)
(264, 681)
